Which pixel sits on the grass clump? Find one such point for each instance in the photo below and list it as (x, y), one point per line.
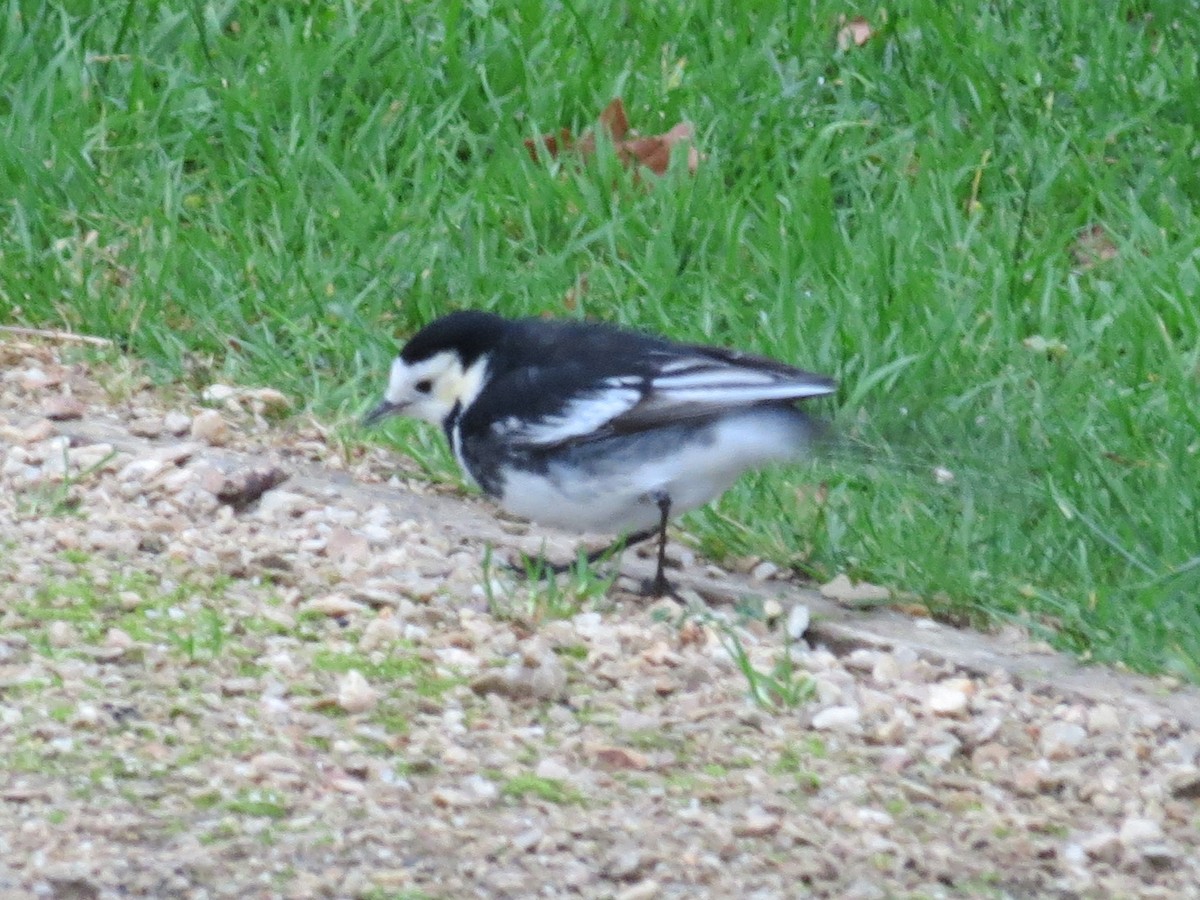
(551, 790)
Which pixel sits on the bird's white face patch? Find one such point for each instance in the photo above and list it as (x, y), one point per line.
(429, 389)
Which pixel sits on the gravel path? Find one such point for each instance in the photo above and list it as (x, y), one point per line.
(316, 694)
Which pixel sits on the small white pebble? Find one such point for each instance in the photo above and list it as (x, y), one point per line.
(836, 718)
(210, 427)
(355, 694)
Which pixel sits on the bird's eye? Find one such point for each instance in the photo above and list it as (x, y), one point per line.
(424, 386)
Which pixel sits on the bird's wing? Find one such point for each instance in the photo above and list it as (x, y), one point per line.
(674, 385)
(586, 415)
(716, 381)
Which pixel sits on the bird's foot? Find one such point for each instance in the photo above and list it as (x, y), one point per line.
(659, 586)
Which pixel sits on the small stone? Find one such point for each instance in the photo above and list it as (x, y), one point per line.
(346, 785)
(146, 428)
(1104, 846)
(661, 654)
(117, 639)
(210, 427)
(798, 620)
(87, 715)
(269, 398)
(62, 634)
(1160, 856)
(757, 823)
(528, 840)
(1184, 783)
(91, 456)
(481, 788)
(615, 758)
(836, 718)
(218, 393)
(24, 794)
(32, 379)
(383, 630)
(177, 423)
(842, 590)
(886, 669)
(41, 430)
(63, 408)
(272, 762)
(238, 687)
(72, 882)
(139, 471)
(950, 698)
(989, 757)
(553, 769)
(942, 752)
(764, 571)
(334, 605)
(772, 609)
(344, 545)
(539, 674)
(176, 454)
(644, 890)
(355, 694)
(451, 798)
(1060, 740)
(548, 678)
(504, 683)
(282, 505)
(625, 864)
(1035, 778)
(274, 562)
(1137, 832)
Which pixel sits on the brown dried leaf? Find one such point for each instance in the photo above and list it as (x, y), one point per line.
(1092, 247)
(653, 152)
(553, 144)
(853, 32)
(614, 120)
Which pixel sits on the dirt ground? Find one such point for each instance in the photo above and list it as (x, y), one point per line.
(320, 692)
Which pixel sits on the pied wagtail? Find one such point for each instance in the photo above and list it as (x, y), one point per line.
(590, 427)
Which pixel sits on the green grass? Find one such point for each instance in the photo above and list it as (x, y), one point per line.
(187, 616)
(551, 790)
(272, 193)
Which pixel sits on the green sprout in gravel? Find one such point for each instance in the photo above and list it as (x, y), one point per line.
(540, 594)
(551, 790)
(266, 803)
(182, 614)
(786, 686)
(59, 498)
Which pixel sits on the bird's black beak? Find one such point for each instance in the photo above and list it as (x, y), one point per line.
(384, 410)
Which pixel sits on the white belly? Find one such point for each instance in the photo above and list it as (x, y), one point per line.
(608, 488)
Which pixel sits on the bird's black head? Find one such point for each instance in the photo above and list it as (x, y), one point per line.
(469, 334)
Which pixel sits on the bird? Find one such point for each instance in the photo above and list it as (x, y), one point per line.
(592, 427)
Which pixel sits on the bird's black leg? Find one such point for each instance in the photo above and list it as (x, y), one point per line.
(660, 587)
